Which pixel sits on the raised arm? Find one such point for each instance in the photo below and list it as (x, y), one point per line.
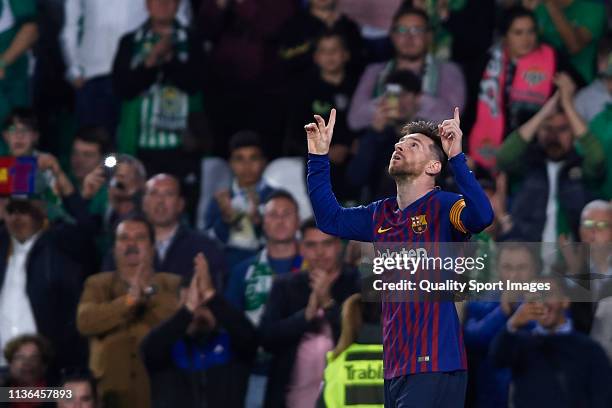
(25, 38)
(349, 223)
(575, 37)
(517, 142)
(594, 161)
(474, 212)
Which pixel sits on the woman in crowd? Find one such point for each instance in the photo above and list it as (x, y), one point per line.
(516, 82)
(28, 357)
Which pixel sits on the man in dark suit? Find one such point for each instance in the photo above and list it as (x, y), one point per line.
(40, 281)
(301, 321)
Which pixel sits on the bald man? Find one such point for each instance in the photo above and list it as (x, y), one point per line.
(595, 272)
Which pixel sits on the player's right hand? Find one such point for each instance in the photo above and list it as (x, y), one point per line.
(319, 134)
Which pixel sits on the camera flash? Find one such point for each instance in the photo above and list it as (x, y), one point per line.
(110, 161)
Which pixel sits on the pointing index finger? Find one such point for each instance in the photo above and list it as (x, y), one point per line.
(332, 119)
(457, 115)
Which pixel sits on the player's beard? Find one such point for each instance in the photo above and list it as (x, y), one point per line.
(404, 170)
(398, 173)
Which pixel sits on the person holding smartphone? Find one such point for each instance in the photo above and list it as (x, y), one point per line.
(398, 105)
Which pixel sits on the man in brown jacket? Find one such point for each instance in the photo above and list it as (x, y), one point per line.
(117, 309)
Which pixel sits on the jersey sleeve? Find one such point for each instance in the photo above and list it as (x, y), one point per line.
(353, 223)
(473, 212)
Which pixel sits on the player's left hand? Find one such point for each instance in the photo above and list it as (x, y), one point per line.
(451, 135)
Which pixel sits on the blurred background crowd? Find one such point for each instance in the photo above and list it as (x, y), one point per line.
(165, 254)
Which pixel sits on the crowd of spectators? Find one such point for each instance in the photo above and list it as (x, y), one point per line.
(163, 253)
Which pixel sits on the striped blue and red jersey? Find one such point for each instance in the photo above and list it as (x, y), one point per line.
(418, 335)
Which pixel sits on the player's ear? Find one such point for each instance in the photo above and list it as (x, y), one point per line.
(434, 167)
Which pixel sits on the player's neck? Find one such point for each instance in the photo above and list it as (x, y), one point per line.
(411, 189)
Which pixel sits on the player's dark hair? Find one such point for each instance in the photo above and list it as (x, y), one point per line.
(25, 116)
(245, 138)
(429, 129)
(406, 79)
(511, 14)
(276, 194)
(141, 219)
(407, 9)
(95, 135)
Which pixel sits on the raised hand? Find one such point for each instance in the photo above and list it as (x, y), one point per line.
(528, 129)
(319, 134)
(573, 254)
(451, 135)
(224, 201)
(202, 272)
(566, 86)
(62, 186)
(161, 51)
(550, 106)
(382, 116)
(312, 307)
(321, 286)
(137, 283)
(93, 182)
(193, 296)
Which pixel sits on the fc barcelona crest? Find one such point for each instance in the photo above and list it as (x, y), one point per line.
(419, 224)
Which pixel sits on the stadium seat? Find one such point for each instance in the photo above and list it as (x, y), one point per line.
(288, 173)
